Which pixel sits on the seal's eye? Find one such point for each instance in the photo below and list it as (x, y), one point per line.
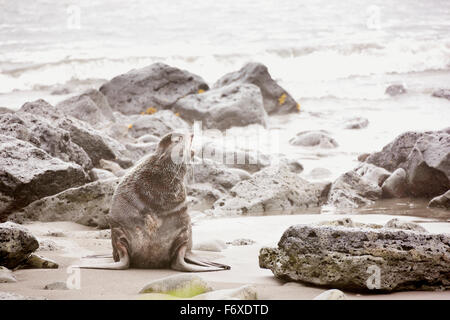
(177, 139)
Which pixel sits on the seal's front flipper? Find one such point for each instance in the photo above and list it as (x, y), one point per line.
(192, 258)
(181, 264)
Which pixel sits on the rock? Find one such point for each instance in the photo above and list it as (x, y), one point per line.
(395, 90)
(96, 144)
(91, 106)
(214, 245)
(179, 285)
(158, 124)
(141, 149)
(115, 168)
(6, 275)
(395, 154)
(363, 157)
(47, 245)
(250, 161)
(319, 174)
(28, 173)
(5, 110)
(16, 244)
(274, 189)
(87, 205)
(41, 108)
(356, 123)
(101, 174)
(360, 259)
(234, 105)
(350, 190)
(332, 294)
(442, 93)
(242, 242)
(442, 201)
(157, 86)
(14, 296)
(395, 185)
(37, 262)
(59, 285)
(404, 225)
(44, 135)
(314, 139)
(428, 165)
(247, 292)
(146, 138)
(205, 193)
(214, 173)
(373, 174)
(275, 98)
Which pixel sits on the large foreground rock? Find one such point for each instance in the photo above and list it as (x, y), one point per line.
(360, 259)
(234, 105)
(16, 244)
(87, 205)
(155, 86)
(28, 173)
(275, 98)
(273, 190)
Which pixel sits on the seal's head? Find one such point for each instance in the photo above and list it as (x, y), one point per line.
(174, 150)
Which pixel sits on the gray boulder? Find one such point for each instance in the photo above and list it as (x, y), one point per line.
(395, 90)
(158, 124)
(442, 201)
(395, 186)
(319, 138)
(351, 190)
(16, 244)
(275, 98)
(157, 86)
(273, 190)
(5, 110)
(91, 107)
(360, 259)
(87, 205)
(442, 93)
(372, 173)
(428, 165)
(234, 105)
(28, 173)
(356, 123)
(44, 135)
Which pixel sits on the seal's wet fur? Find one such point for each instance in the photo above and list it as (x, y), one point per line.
(150, 225)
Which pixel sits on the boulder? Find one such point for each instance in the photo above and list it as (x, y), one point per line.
(158, 124)
(319, 138)
(273, 190)
(403, 225)
(205, 194)
(113, 167)
(332, 294)
(395, 154)
(91, 107)
(87, 205)
(215, 245)
(28, 174)
(6, 275)
(395, 185)
(372, 173)
(35, 261)
(442, 201)
(59, 285)
(442, 93)
(156, 86)
(16, 244)
(248, 160)
(41, 108)
(395, 90)
(351, 190)
(247, 292)
(44, 135)
(5, 110)
(275, 98)
(361, 259)
(101, 174)
(356, 123)
(234, 105)
(428, 165)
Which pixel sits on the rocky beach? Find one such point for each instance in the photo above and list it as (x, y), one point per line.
(319, 172)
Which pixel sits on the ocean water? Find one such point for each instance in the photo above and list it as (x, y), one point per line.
(336, 58)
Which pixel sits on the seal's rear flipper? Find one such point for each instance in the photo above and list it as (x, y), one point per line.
(187, 264)
(107, 262)
(192, 258)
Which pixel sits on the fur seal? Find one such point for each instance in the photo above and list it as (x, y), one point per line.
(150, 225)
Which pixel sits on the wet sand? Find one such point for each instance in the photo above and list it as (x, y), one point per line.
(75, 241)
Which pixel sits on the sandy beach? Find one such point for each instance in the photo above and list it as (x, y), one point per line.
(75, 241)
